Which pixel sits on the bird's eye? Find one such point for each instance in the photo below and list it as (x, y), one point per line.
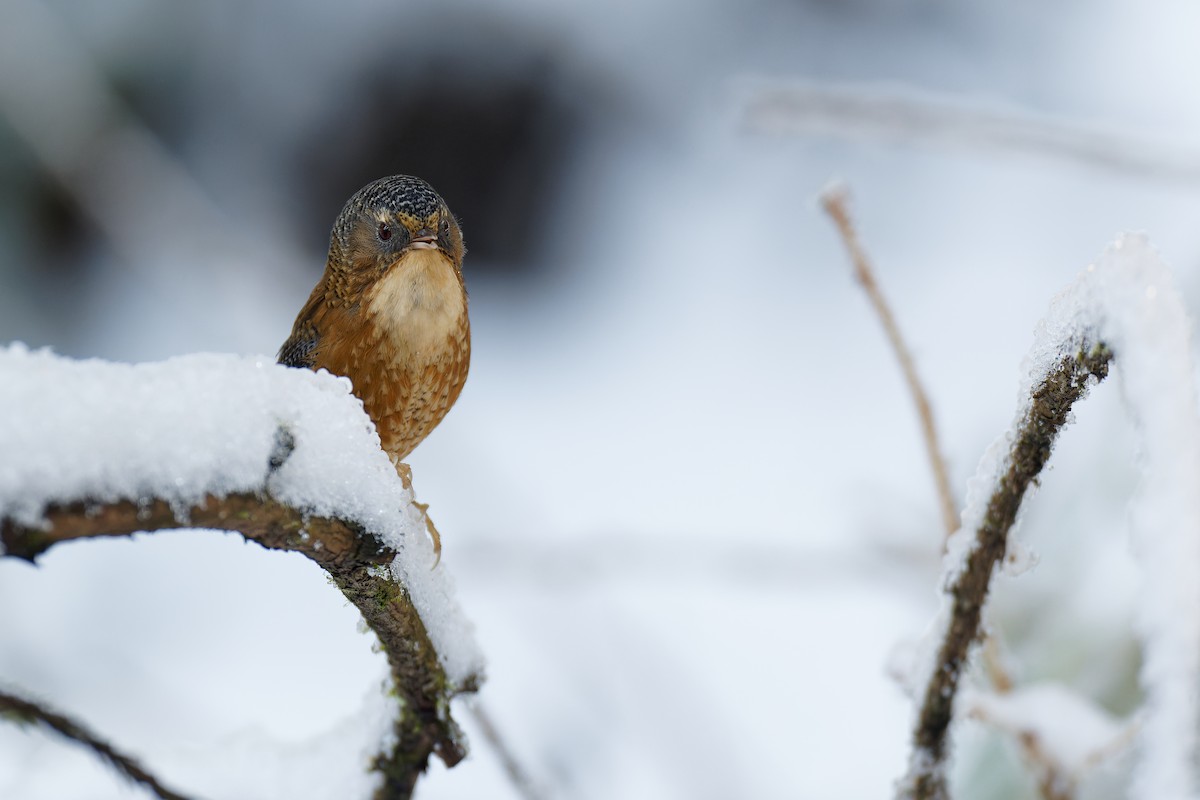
(384, 232)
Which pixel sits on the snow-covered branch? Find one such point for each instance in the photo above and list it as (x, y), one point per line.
(285, 457)
(1034, 437)
(1123, 309)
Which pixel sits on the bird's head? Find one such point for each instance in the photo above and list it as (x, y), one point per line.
(387, 220)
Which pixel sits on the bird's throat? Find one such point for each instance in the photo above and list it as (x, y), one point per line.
(420, 302)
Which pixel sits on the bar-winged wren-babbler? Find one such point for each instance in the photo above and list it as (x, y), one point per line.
(390, 312)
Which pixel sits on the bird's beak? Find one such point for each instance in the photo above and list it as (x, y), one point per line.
(425, 239)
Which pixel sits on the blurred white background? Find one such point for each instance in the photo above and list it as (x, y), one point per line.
(683, 495)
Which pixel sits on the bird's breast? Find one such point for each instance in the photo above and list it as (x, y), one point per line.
(410, 361)
(419, 305)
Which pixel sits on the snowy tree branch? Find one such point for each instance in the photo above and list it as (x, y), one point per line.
(1047, 414)
(358, 565)
(287, 457)
(27, 712)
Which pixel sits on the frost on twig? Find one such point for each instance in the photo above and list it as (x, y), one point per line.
(1125, 309)
(285, 457)
(1034, 437)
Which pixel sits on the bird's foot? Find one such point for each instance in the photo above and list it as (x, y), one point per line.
(433, 533)
(405, 473)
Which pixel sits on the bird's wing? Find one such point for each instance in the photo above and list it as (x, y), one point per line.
(300, 350)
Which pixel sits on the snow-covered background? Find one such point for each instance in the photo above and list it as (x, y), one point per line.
(683, 496)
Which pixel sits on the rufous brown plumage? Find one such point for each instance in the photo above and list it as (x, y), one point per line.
(390, 312)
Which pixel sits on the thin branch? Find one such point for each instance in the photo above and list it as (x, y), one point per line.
(891, 113)
(517, 775)
(1051, 784)
(993, 663)
(1122, 741)
(1051, 403)
(834, 201)
(1055, 779)
(357, 563)
(29, 712)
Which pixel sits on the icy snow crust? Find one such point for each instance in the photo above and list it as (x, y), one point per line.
(1128, 301)
(206, 424)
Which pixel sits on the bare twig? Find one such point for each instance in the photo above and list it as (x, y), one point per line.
(1120, 742)
(891, 113)
(512, 767)
(834, 201)
(993, 662)
(1056, 780)
(1051, 402)
(31, 713)
(1053, 782)
(355, 561)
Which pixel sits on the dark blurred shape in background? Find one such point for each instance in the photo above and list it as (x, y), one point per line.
(492, 134)
(276, 119)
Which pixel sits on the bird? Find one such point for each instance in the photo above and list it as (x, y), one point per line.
(390, 311)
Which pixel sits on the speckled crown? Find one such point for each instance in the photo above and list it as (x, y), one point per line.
(402, 194)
